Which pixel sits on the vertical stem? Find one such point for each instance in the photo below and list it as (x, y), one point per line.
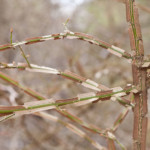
(139, 77)
(111, 144)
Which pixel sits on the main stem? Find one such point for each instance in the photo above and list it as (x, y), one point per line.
(140, 109)
(139, 77)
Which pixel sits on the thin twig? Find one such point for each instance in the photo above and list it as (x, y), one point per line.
(24, 55)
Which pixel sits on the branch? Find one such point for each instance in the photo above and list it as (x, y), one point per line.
(81, 99)
(71, 35)
(120, 118)
(114, 93)
(32, 93)
(66, 74)
(72, 128)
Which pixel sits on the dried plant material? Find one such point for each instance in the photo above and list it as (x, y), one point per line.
(98, 146)
(90, 127)
(133, 53)
(92, 82)
(83, 135)
(47, 116)
(143, 138)
(36, 68)
(132, 41)
(141, 47)
(73, 76)
(104, 93)
(139, 77)
(94, 42)
(137, 24)
(146, 64)
(38, 103)
(113, 98)
(19, 43)
(103, 44)
(89, 98)
(71, 127)
(114, 52)
(42, 69)
(127, 55)
(103, 87)
(33, 40)
(81, 35)
(4, 114)
(5, 46)
(6, 117)
(37, 96)
(90, 41)
(111, 135)
(120, 118)
(76, 130)
(9, 65)
(118, 49)
(86, 95)
(66, 100)
(139, 80)
(68, 35)
(48, 37)
(31, 111)
(81, 103)
(87, 85)
(9, 109)
(20, 66)
(135, 91)
(117, 89)
(72, 33)
(111, 144)
(72, 37)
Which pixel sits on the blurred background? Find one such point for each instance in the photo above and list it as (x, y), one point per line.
(104, 19)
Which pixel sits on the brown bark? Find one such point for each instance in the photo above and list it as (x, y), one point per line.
(139, 77)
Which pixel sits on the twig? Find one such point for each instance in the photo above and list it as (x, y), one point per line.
(68, 115)
(88, 83)
(24, 55)
(72, 128)
(120, 118)
(71, 35)
(114, 93)
(47, 104)
(11, 32)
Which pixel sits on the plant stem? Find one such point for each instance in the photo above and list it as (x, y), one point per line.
(139, 77)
